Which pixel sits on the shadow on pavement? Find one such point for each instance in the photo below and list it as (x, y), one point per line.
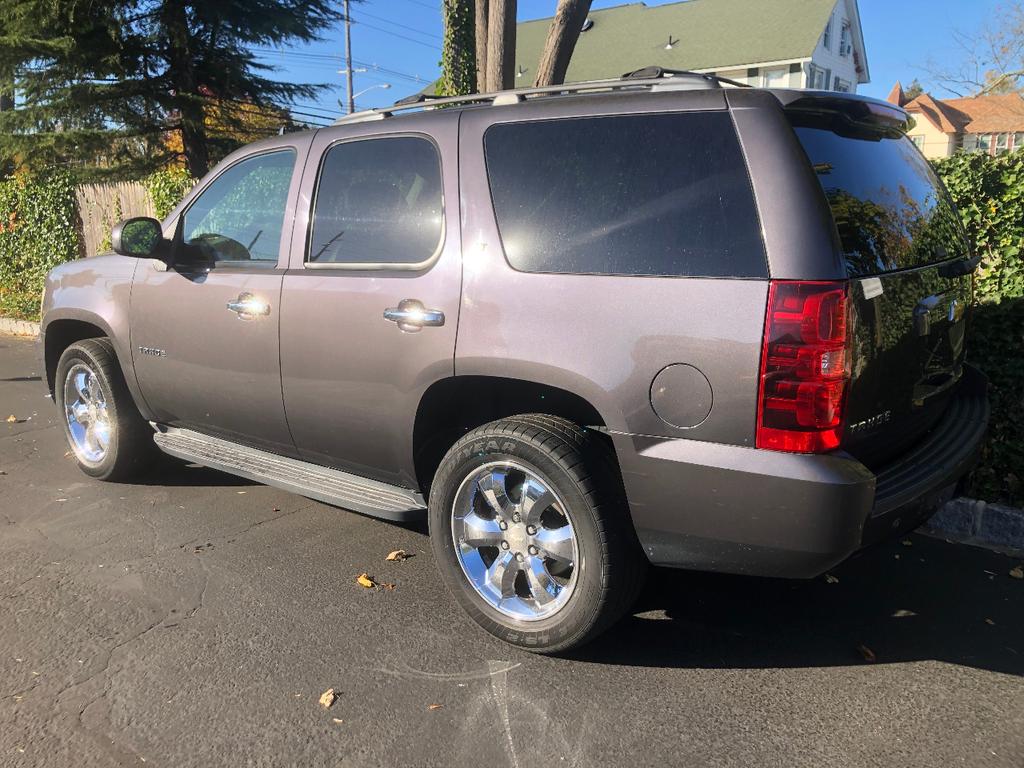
(697, 620)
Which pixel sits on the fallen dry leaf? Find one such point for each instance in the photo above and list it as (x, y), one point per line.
(907, 543)
(902, 613)
(327, 698)
(1017, 573)
(990, 622)
(12, 419)
(867, 653)
(435, 706)
(830, 579)
(399, 555)
(337, 720)
(366, 581)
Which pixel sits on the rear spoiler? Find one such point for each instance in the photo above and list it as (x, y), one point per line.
(860, 110)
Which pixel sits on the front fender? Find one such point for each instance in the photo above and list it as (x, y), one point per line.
(90, 297)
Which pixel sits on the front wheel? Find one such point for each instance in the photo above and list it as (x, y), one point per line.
(107, 435)
(530, 528)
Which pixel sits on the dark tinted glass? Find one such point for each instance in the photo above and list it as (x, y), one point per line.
(890, 209)
(378, 201)
(239, 217)
(629, 195)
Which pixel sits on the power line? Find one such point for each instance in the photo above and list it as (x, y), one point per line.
(355, 19)
(396, 34)
(424, 5)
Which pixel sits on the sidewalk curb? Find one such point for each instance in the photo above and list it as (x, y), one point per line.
(12, 327)
(979, 523)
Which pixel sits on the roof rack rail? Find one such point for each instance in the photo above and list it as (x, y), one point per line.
(652, 78)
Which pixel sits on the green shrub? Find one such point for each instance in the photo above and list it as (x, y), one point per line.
(38, 231)
(989, 193)
(167, 187)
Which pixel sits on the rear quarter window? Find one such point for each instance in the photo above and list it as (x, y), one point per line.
(664, 194)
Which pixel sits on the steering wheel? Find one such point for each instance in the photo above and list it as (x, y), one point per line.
(217, 247)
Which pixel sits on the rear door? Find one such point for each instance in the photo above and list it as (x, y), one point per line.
(370, 304)
(908, 260)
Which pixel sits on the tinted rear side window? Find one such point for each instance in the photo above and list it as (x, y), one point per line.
(378, 201)
(627, 195)
(890, 210)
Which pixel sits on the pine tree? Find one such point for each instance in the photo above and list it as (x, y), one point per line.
(103, 82)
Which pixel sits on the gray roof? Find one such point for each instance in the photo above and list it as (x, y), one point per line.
(706, 34)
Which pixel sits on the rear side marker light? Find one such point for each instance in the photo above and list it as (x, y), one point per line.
(805, 367)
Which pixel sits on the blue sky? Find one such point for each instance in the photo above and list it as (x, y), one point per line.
(397, 42)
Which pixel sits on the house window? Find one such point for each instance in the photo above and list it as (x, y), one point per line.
(1018, 141)
(817, 77)
(918, 141)
(845, 40)
(827, 38)
(1002, 143)
(842, 86)
(775, 78)
(984, 143)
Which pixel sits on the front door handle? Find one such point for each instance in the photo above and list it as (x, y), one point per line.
(412, 316)
(248, 306)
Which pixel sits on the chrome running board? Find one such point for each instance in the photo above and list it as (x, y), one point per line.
(331, 486)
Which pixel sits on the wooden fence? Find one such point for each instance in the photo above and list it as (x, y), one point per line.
(101, 206)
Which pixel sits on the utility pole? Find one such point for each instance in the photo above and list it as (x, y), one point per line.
(348, 60)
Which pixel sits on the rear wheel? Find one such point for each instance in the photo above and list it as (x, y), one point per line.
(531, 531)
(107, 435)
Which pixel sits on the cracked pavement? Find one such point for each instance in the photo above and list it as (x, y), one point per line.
(194, 619)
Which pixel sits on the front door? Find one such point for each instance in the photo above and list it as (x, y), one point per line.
(205, 330)
(370, 303)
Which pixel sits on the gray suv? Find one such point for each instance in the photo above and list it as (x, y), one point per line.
(581, 329)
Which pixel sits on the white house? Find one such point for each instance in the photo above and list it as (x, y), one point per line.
(780, 43)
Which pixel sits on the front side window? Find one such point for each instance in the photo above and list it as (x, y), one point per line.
(239, 217)
(378, 202)
(661, 194)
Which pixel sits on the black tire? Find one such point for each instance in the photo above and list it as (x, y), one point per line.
(131, 449)
(583, 472)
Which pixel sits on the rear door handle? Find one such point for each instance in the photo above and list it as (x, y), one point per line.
(412, 316)
(247, 306)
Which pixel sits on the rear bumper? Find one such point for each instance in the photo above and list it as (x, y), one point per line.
(740, 510)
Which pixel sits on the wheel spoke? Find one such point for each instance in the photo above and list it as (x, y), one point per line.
(543, 588)
(480, 532)
(535, 499)
(101, 434)
(555, 543)
(501, 576)
(81, 384)
(492, 487)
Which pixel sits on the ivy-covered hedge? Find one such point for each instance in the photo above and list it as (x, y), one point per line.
(38, 231)
(989, 193)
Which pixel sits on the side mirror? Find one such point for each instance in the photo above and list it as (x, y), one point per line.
(138, 237)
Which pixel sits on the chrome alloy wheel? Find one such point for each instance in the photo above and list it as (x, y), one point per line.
(86, 410)
(515, 541)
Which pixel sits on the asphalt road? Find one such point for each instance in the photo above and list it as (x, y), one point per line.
(195, 619)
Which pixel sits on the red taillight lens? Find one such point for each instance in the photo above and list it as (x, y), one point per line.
(805, 367)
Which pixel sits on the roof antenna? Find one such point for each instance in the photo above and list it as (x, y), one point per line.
(671, 43)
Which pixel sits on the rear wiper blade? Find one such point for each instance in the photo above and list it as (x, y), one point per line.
(959, 267)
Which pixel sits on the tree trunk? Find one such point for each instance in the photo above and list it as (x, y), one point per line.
(480, 20)
(189, 100)
(501, 44)
(458, 56)
(561, 41)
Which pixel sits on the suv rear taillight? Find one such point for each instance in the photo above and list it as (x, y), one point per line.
(805, 366)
